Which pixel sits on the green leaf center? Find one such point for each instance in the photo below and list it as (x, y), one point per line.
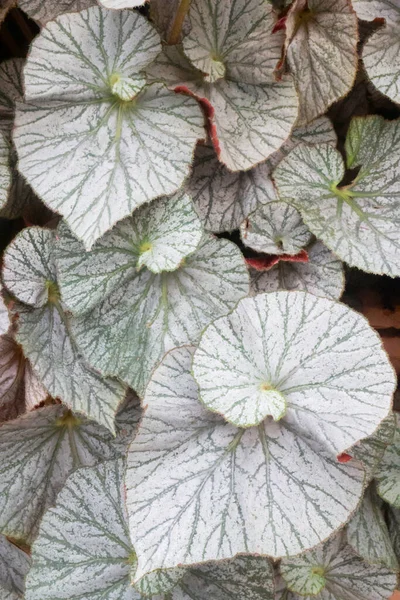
(216, 71)
(126, 88)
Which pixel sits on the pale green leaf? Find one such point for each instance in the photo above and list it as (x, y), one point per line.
(393, 516)
(388, 472)
(47, 10)
(102, 156)
(333, 571)
(160, 582)
(321, 51)
(360, 222)
(319, 356)
(322, 275)
(276, 228)
(196, 483)
(14, 565)
(39, 450)
(131, 328)
(44, 330)
(5, 172)
(368, 534)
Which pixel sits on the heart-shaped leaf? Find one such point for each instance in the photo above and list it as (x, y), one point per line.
(39, 450)
(135, 322)
(276, 228)
(294, 349)
(360, 222)
(14, 566)
(130, 142)
(333, 571)
(5, 172)
(388, 472)
(44, 330)
(322, 275)
(188, 466)
(47, 10)
(20, 390)
(11, 91)
(321, 51)
(368, 534)
(119, 4)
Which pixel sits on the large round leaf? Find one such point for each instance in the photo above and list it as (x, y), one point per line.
(138, 320)
(110, 142)
(388, 472)
(321, 51)
(322, 275)
(317, 360)
(14, 565)
(360, 222)
(333, 571)
(37, 453)
(196, 484)
(44, 330)
(47, 10)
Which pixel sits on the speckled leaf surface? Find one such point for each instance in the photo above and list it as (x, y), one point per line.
(359, 222)
(128, 332)
(381, 59)
(322, 275)
(318, 355)
(107, 150)
(5, 172)
(44, 330)
(276, 228)
(393, 517)
(38, 452)
(14, 565)
(388, 472)
(4, 316)
(192, 476)
(321, 52)
(120, 4)
(333, 571)
(368, 534)
(370, 450)
(11, 91)
(371, 9)
(47, 10)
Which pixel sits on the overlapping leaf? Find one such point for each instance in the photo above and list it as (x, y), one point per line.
(321, 51)
(4, 316)
(360, 222)
(140, 315)
(276, 228)
(393, 516)
(368, 533)
(196, 483)
(20, 390)
(322, 275)
(112, 142)
(5, 172)
(162, 14)
(315, 357)
(333, 571)
(14, 565)
(44, 330)
(119, 4)
(370, 450)
(38, 452)
(388, 472)
(11, 91)
(47, 10)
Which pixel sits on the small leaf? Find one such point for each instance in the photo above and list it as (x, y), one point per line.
(38, 452)
(368, 535)
(121, 153)
(276, 228)
(47, 10)
(322, 275)
(188, 466)
(5, 173)
(360, 222)
(14, 566)
(332, 571)
(135, 323)
(388, 472)
(321, 51)
(44, 330)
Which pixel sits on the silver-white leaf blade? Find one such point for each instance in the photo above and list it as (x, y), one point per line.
(343, 574)
(14, 566)
(196, 483)
(371, 9)
(47, 10)
(38, 452)
(243, 578)
(276, 228)
(370, 450)
(322, 275)
(322, 357)
(388, 472)
(4, 316)
(128, 333)
(83, 548)
(5, 172)
(381, 59)
(368, 535)
(11, 91)
(321, 53)
(359, 222)
(106, 156)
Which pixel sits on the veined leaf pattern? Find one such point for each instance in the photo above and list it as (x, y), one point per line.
(14, 565)
(388, 472)
(5, 173)
(47, 10)
(11, 91)
(4, 316)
